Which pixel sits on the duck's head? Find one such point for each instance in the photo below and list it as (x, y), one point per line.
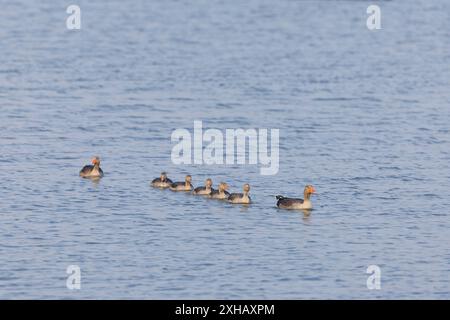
(95, 160)
(246, 187)
(188, 179)
(309, 190)
(208, 183)
(223, 186)
(163, 176)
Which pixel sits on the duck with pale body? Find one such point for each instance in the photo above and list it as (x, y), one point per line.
(93, 170)
(222, 193)
(242, 198)
(162, 181)
(182, 186)
(296, 203)
(205, 190)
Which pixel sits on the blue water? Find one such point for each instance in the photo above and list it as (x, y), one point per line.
(363, 116)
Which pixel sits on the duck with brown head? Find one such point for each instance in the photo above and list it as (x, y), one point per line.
(222, 193)
(243, 198)
(93, 170)
(206, 190)
(296, 203)
(182, 186)
(162, 181)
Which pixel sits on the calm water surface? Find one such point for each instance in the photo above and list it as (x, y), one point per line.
(363, 116)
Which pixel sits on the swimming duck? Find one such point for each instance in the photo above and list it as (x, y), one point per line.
(292, 203)
(222, 193)
(206, 190)
(92, 171)
(182, 186)
(241, 197)
(162, 181)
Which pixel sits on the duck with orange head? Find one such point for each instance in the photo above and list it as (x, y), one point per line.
(93, 170)
(297, 203)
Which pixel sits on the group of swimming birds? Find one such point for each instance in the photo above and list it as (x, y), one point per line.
(163, 182)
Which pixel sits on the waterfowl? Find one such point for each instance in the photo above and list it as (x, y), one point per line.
(293, 203)
(162, 181)
(241, 197)
(182, 186)
(222, 193)
(206, 190)
(93, 170)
